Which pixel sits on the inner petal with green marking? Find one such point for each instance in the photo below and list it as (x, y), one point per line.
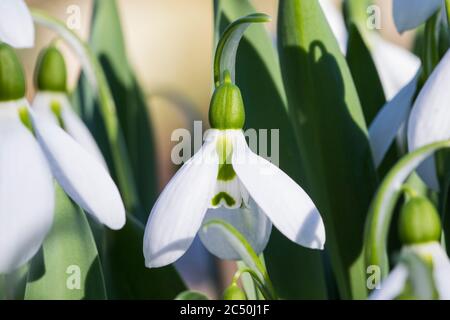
(229, 191)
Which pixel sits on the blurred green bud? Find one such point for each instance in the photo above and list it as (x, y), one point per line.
(419, 222)
(12, 79)
(234, 292)
(50, 73)
(226, 110)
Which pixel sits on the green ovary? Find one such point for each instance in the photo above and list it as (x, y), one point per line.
(225, 196)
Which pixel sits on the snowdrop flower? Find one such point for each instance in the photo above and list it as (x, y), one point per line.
(430, 118)
(51, 101)
(420, 231)
(409, 14)
(226, 180)
(395, 65)
(16, 24)
(27, 165)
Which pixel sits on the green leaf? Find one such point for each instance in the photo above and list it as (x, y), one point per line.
(132, 109)
(365, 74)
(383, 204)
(326, 112)
(259, 78)
(191, 295)
(68, 265)
(125, 271)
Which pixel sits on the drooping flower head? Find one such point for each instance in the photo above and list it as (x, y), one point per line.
(424, 268)
(33, 151)
(228, 181)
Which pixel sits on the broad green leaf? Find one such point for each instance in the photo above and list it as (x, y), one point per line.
(258, 76)
(68, 265)
(191, 295)
(132, 109)
(125, 272)
(335, 153)
(382, 207)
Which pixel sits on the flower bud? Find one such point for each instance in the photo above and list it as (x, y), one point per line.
(12, 79)
(234, 292)
(419, 222)
(50, 73)
(226, 110)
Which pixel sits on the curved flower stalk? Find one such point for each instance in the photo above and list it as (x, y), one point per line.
(420, 231)
(16, 24)
(51, 100)
(230, 183)
(384, 202)
(27, 166)
(409, 14)
(396, 66)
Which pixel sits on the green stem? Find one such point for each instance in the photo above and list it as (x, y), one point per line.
(225, 56)
(430, 54)
(265, 287)
(108, 110)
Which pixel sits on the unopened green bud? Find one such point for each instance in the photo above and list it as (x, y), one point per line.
(12, 79)
(50, 73)
(234, 292)
(419, 222)
(226, 110)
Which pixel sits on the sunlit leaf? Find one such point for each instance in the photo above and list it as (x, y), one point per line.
(68, 265)
(325, 109)
(125, 272)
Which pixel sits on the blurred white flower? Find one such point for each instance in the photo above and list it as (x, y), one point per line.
(396, 66)
(26, 184)
(222, 180)
(409, 14)
(16, 24)
(51, 105)
(431, 253)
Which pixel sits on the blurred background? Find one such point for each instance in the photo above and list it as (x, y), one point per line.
(170, 45)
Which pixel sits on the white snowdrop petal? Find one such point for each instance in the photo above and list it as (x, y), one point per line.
(337, 24)
(80, 174)
(396, 66)
(178, 213)
(289, 208)
(409, 14)
(16, 24)
(386, 125)
(441, 271)
(73, 125)
(429, 120)
(26, 192)
(250, 222)
(393, 285)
